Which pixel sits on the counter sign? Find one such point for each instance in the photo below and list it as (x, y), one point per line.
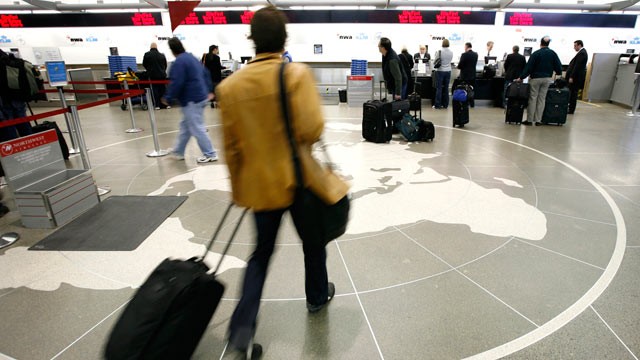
(10, 21)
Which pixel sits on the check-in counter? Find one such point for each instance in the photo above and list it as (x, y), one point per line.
(624, 84)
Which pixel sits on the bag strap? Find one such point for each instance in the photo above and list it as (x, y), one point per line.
(284, 104)
(215, 235)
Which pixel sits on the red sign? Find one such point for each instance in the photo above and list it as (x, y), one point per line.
(246, 17)
(214, 17)
(191, 19)
(410, 17)
(448, 17)
(10, 21)
(28, 142)
(360, 77)
(143, 19)
(525, 19)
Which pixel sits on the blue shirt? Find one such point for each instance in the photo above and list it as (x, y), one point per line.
(189, 81)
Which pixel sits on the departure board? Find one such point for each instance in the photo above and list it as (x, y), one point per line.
(79, 20)
(570, 20)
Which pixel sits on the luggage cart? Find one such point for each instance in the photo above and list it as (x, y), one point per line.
(130, 76)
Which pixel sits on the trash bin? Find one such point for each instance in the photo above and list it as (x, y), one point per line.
(342, 94)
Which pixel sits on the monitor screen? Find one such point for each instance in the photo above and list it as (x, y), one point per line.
(490, 60)
(245, 59)
(527, 51)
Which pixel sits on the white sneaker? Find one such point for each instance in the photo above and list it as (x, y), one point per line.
(206, 159)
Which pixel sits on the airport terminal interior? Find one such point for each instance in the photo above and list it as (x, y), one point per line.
(492, 241)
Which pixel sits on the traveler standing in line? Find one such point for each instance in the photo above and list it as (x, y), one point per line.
(577, 73)
(257, 147)
(214, 65)
(11, 107)
(540, 68)
(392, 71)
(190, 84)
(407, 65)
(467, 67)
(513, 66)
(155, 63)
(443, 75)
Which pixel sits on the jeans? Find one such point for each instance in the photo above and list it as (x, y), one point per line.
(537, 95)
(243, 320)
(404, 91)
(442, 88)
(13, 109)
(192, 124)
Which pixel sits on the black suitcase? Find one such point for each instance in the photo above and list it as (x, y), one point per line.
(48, 125)
(374, 122)
(429, 130)
(415, 102)
(167, 316)
(460, 113)
(556, 106)
(518, 90)
(395, 111)
(515, 111)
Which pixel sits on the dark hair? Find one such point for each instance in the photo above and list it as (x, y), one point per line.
(212, 47)
(176, 46)
(545, 41)
(579, 42)
(268, 30)
(385, 43)
(516, 48)
(468, 45)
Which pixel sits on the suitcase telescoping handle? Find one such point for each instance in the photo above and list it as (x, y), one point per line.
(233, 235)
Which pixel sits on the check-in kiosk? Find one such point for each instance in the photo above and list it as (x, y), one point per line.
(46, 193)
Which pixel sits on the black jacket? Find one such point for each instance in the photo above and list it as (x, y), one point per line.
(156, 64)
(513, 66)
(578, 68)
(467, 65)
(213, 64)
(393, 72)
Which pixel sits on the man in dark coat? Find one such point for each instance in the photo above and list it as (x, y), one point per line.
(214, 65)
(576, 73)
(392, 71)
(513, 66)
(155, 63)
(467, 67)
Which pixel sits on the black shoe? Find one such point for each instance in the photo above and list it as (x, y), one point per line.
(251, 353)
(538, 123)
(3, 210)
(527, 123)
(331, 292)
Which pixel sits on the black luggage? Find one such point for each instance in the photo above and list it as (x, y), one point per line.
(460, 113)
(374, 122)
(556, 106)
(518, 91)
(515, 111)
(415, 102)
(429, 130)
(395, 110)
(48, 125)
(167, 316)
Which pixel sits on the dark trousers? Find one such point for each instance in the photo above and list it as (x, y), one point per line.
(442, 88)
(158, 92)
(243, 320)
(573, 97)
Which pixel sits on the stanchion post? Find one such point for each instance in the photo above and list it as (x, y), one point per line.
(72, 136)
(154, 129)
(84, 154)
(133, 128)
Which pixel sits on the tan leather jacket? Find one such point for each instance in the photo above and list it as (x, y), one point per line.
(256, 146)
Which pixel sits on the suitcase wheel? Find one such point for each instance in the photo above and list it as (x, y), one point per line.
(123, 107)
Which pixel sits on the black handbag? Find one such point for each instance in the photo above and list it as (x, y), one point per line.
(437, 62)
(316, 221)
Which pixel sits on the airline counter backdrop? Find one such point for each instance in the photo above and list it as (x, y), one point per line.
(85, 39)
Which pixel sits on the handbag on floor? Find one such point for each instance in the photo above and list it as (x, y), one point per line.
(320, 222)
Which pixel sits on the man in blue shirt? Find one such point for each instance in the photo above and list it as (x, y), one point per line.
(540, 68)
(190, 84)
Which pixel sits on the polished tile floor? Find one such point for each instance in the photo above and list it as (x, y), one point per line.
(491, 241)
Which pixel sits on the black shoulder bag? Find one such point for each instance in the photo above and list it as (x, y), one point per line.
(317, 222)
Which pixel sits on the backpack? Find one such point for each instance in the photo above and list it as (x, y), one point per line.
(460, 95)
(19, 79)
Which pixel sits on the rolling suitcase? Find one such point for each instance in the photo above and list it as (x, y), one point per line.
(556, 106)
(460, 103)
(518, 91)
(167, 316)
(48, 125)
(515, 111)
(374, 122)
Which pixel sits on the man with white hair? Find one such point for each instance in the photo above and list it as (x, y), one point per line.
(540, 68)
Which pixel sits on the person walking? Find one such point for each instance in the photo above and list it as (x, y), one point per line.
(540, 68)
(467, 67)
(190, 84)
(256, 147)
(155, 63)
(577, 73)
(443, 75)
(392, 71)
(513, 66)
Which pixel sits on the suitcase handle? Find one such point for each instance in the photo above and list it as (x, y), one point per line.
(215, 235)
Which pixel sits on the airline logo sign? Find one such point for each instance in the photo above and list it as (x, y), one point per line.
(19, 145)
(358, 36)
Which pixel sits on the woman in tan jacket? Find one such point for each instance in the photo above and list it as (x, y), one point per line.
(259, 158)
